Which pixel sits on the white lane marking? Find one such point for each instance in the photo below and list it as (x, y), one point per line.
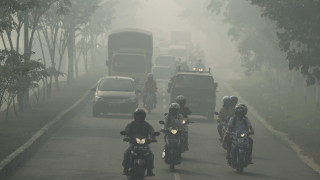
(176, 176)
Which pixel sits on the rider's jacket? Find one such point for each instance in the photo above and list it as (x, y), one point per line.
(185, 111)
(225, 114)
(173, 121)
(139, 129)
(150, 86)
(239, 124)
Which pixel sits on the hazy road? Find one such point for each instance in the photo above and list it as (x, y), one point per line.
(91, 148)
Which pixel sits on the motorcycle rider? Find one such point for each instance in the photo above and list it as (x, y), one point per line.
(226, 112)
(234, 101)
(139, 127)
(184, 111)
(150, 87)
(239, 123)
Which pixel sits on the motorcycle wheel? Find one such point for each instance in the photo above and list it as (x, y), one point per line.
(240, 163)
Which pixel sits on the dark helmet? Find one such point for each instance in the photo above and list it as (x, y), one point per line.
(139, 115)
(234, 99)
(245, 108)
(181, 100)
(174, 109)
(239, 111)
(226, 101)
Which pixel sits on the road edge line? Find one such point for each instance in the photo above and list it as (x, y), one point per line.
(21, 154)
(283, 136)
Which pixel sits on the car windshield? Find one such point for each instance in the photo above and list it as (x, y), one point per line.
(116, 85)
(165, 60)
(129, 63)
(162, 72)
(194, 82)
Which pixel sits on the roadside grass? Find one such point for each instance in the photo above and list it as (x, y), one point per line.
(16, 131)
(285, 111)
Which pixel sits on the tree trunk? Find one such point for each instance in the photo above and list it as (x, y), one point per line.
(71, 52)
(27, 56)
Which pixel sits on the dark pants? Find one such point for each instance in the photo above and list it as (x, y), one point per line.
(126, 159)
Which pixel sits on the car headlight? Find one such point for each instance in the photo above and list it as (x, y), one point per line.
(242, 134)
(140, 141)
(174, 131)
(200, 69)
(194, 68)
(98, 98)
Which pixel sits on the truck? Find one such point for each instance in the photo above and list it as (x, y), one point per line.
(130, 54)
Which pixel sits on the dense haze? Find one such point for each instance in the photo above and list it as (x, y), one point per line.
(264, 52)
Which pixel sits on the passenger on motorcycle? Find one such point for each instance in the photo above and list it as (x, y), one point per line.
(139, 127)
(239, 123)
(234, 101)
(184, 110)
(150, 87)
(226, 112)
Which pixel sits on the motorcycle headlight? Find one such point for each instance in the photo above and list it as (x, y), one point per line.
(242, 134)
(184, 121)
(98, 98)
(140, 141)
(174, 131)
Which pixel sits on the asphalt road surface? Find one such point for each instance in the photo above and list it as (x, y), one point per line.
(88, 148)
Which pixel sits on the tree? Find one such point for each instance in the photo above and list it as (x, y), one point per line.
(18, 76)
(298, 32)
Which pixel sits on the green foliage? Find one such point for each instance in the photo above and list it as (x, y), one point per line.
(18, 75)
(256, 36)
(299, 32)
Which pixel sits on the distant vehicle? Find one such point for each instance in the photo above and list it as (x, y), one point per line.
(178, 51)
(115, 94)
(165, 60)
(162, 72)
(199, 88)
(130, 54)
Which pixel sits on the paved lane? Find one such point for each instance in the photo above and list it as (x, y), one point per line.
(92, 148)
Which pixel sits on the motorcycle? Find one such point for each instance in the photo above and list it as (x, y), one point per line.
(139, 155)
(172, 150)
(240, 150)
(224, 127)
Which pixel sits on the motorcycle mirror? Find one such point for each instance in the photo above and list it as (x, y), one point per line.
(123, 133)
(156, 133)
(161, 122)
